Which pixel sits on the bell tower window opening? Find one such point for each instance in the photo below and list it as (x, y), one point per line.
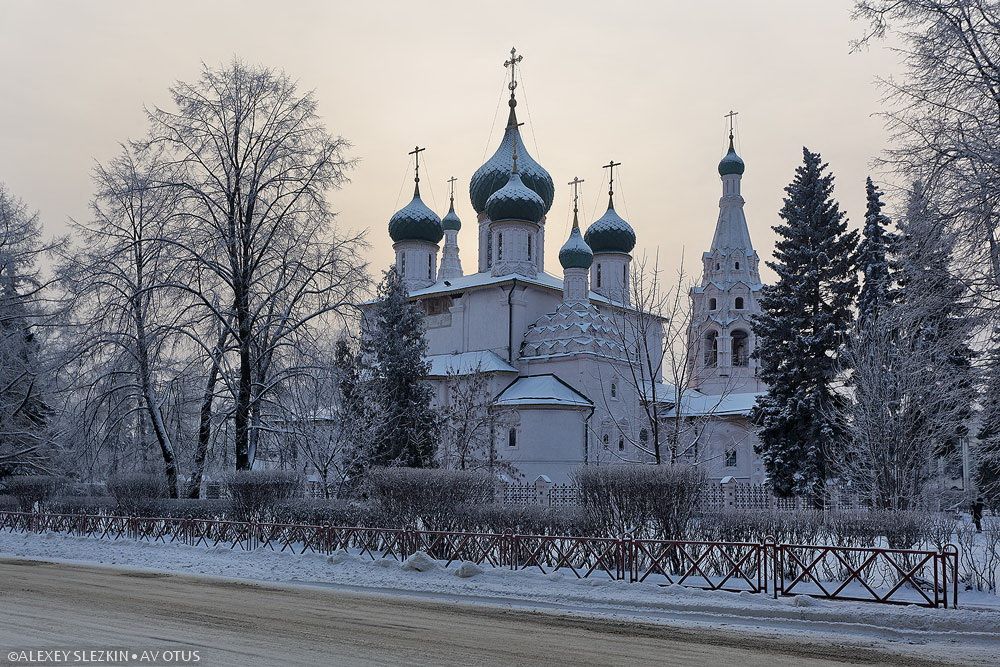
(739, 303)
(529, 245)
(741, 348)
(713, 304)
(598, 274)
(737, 266)
(712, 349)
(430, 267)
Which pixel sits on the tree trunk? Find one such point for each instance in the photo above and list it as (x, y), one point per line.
(205, 419)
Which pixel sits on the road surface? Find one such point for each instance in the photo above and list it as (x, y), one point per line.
(53, 606)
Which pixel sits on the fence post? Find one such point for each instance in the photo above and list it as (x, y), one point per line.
(543, 490)
(729, 492)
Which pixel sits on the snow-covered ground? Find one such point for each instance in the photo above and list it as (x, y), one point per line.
(972, 631)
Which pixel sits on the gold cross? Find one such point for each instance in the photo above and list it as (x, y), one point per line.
(451, 182)
(731, 116)
(417, 150)
(512, 64)
(576, 190)
(611, 181)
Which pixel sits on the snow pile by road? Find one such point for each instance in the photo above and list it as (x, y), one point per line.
(971, 630)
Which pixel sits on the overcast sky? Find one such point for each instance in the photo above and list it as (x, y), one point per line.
(644, 83)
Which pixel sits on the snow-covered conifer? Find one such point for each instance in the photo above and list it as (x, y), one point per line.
(805, 318)
(393, 350)
(873, 259)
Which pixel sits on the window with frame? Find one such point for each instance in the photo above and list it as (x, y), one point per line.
(713, 303)
(621, 443)
(712, 348)
(737, 266)
(740, 342)
(739, 303)
(614, 390)
(606, 439)
(512, 436)
(644, 436)
(430, 267)
(731, 457)
(529, 246)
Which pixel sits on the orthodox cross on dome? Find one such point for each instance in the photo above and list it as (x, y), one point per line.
(451, 184)
(731, 116)
(417, 150)
(576, 195)
(512, 64)
(611, 182)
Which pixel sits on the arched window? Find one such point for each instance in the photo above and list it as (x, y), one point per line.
(512, 436)
(430, 267)
(731, 458)
(621, 443)
(737, 266)
(739, 303)
(402, 263)
(741, 348)
(717, 267)
(598, 274)
(713, 304)
(606, 439)
(644, 436)
(499, 246)
(614, 390)
(489, 248)
(529, 246)
(712, 348)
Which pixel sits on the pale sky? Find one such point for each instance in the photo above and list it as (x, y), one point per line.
(646, 84)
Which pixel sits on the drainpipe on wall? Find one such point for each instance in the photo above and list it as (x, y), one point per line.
(510, 323)
(586, 438)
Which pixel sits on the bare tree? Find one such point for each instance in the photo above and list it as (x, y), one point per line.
(23, 383)
(654, 331)
(943, 116)
(254, 164)
(469, 423)
(124, 319)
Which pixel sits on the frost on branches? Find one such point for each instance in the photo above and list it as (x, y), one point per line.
(806, 315)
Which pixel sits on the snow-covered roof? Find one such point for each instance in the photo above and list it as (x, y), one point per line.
(541, 390)
(696, 404)
(487, 279)
(466, 363)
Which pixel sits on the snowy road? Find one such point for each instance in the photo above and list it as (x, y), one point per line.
(45, 605)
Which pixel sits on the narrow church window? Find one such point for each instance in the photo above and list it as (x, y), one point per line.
(598, 274)
(741, 349)
(712, 348)
(614, 390)
(489, 248)
(739, 303)
(606, 440)
(402, 263)
(499, 246)
(730, 458)
(737, 266)
(712, 304)
(624, 276)
(430, 267)
(512, 437)
(644, 436)
(529, 246)
(717, 266)
(621, 443)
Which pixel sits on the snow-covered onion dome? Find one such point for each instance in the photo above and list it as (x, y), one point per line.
(495, 173)
(450, 220)
(515, 200)
(415, 222)
(575, 253)
(731, 163)
(610, 233)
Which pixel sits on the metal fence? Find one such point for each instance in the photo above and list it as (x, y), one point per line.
(898, 576)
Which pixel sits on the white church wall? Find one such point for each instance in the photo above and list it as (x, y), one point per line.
(547, 441)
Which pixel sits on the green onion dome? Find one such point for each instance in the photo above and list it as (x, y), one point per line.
(515, 201)
(575, 253)
(450, 219)
(610, 233)
(494, 174)
(731, 163)
(415, 222)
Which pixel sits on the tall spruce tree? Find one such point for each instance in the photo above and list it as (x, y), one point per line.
(393, 350)
(873, 257)
(800, 332)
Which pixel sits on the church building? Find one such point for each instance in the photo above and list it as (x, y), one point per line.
(557, 355)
